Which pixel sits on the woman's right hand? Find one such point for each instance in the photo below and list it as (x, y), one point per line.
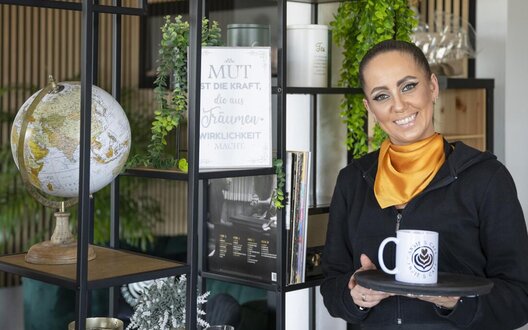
(363, 297)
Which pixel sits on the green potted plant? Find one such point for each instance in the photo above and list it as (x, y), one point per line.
(171, 90)
(357, 26)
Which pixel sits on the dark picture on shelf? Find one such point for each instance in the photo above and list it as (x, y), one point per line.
(242, 227)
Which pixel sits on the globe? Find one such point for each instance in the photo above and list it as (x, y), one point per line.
(45, 142)
(51, 144)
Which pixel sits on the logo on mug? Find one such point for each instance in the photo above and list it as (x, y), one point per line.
(423, 259)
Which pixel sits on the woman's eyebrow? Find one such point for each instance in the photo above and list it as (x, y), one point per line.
(398, 83)
(401, 81)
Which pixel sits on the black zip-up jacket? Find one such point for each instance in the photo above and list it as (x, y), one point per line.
(472, 202)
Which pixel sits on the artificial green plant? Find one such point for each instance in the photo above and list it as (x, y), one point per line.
(357, 26)
(171, 89)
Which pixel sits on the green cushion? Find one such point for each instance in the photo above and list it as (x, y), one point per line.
(241, 293)
(50, 307)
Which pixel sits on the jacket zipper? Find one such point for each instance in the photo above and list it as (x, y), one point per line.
(398, 221)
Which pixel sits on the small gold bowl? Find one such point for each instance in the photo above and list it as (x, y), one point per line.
(100, 323)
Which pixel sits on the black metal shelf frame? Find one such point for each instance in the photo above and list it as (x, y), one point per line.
(77, 6)
(323, 90)
(309, 283)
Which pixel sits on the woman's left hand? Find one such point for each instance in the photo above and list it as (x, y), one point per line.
(442, 302)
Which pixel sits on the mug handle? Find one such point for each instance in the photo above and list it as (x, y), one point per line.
(380, 255)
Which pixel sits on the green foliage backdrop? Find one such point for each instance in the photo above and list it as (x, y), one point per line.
(357, 26)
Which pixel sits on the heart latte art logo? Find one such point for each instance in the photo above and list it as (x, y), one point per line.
(423, 259)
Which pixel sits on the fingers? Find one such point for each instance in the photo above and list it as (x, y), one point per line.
(366, 263)
(367, 298)
(352, 282)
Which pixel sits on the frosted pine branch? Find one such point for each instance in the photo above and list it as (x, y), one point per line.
(162, 303)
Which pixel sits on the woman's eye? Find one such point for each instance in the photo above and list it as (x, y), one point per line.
(380, 97)
(409, 87)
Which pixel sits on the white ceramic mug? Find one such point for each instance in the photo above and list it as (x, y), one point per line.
(416, 256)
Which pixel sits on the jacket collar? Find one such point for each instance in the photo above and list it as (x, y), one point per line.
(459, 157)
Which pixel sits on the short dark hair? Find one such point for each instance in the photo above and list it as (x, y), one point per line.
(394, 45)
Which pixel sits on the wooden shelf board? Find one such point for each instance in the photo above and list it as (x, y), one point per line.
(323, 90)
(229, 173)
(111, 266)
(204, 173)
(319, 209)
(310, 282)
(464, 136)
(154, 173)
(232, 278)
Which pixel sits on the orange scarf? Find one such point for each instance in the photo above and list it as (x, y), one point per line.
(405, 171)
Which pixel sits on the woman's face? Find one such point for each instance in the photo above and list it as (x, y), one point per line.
(400, 95)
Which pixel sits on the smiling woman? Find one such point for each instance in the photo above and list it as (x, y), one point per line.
(417, 180)
(400, 92)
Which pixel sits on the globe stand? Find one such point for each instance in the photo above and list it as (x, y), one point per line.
(61, 249)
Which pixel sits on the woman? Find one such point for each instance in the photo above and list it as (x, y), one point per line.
(419, 181)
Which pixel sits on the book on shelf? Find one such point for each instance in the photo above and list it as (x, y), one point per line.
(242, 227)
(296, 221)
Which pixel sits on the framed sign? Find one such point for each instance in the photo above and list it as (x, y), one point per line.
(235, 110)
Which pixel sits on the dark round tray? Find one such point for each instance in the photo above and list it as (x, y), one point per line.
(448, 284)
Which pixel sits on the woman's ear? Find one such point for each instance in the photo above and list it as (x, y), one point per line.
(365, 103)
(434, 86)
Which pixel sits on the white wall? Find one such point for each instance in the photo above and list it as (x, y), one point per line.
(502, 43)
(490, 62)
(516, 107)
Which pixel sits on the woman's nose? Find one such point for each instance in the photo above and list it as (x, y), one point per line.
(398, 104)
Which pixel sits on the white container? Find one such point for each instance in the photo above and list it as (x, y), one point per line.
(307, 55)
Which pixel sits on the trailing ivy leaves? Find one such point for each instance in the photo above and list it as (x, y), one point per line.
(278, 197)
(357, 26)
(171, 89)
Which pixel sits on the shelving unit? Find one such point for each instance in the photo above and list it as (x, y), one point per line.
(280, 287)
(114, 267)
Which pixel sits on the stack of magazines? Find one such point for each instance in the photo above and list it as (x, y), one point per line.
(297, 189)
